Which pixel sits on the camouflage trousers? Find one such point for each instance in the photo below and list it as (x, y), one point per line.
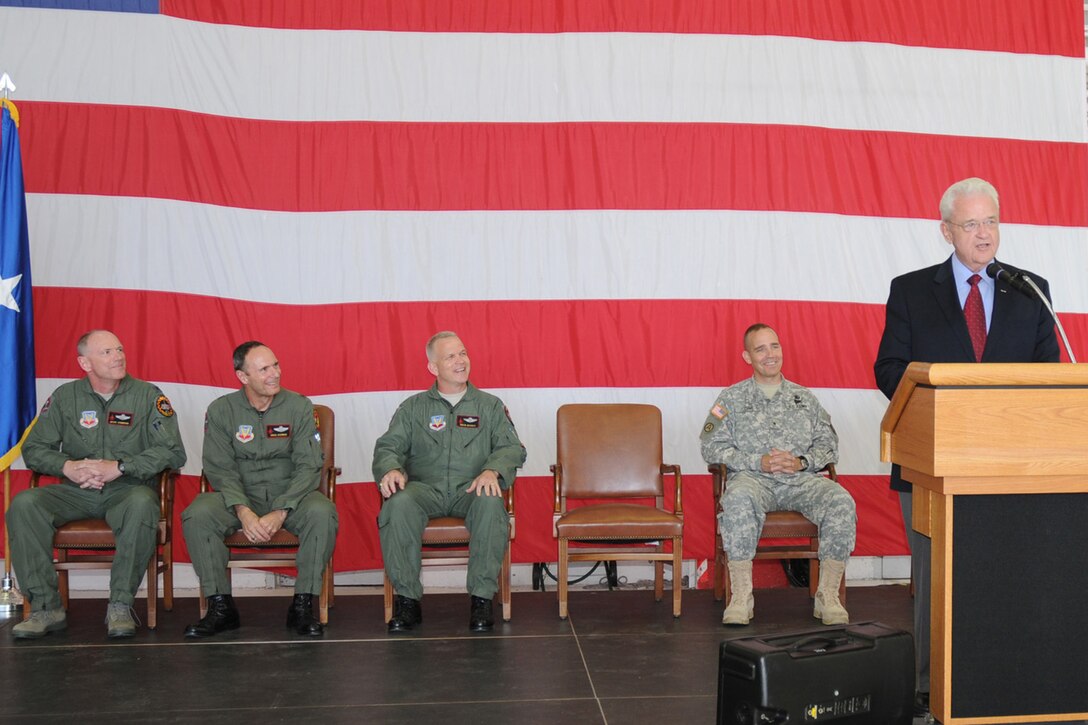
(749, 496)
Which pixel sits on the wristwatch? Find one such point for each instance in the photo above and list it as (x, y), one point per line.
(121, 466)
(804, 463)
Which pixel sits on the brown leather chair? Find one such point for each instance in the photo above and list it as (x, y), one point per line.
(779, 527)
(612, 453)
(445, 542)
(89, 544)
(282, 549)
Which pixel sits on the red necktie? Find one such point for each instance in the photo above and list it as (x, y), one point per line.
(976, 317)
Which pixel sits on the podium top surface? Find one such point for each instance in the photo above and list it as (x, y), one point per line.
(989, 419)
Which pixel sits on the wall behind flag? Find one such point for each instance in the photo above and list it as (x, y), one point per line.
(598, 196)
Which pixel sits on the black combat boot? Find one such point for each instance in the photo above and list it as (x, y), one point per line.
(222, 615)
(406, 614)
(300, 616)
(480, 618)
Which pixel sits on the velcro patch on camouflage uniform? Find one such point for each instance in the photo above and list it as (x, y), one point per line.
(719, 412)
(162, 404)
(708, 427)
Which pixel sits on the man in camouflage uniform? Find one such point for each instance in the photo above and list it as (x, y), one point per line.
(773, 437)
(106, 437)
(449, 451)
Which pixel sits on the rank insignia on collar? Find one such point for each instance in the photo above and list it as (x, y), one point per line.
(245, 433)
(438, 422)
(277, 430)
(119, 418)
(89, 419)
(468, 421)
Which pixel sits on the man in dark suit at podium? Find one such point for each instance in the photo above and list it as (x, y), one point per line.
(954, 312)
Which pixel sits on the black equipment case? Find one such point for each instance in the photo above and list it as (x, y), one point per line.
(857, 674)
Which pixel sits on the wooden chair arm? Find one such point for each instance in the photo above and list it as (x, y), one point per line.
(719, 472)
(167, 478)
(678, 504)
(557, 477)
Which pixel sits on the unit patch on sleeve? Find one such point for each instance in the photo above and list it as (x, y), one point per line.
(162, 404)
(277, 430)
(119, 418)
(708, 427)
(468, 421)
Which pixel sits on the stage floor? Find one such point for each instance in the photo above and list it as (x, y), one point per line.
(619, 658)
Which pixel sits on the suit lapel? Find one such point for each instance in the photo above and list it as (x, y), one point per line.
(944, 289)
(1003, 302)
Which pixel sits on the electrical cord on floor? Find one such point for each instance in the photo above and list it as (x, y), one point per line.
(540, 569)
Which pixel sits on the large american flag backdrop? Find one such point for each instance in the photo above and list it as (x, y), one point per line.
(598, 195)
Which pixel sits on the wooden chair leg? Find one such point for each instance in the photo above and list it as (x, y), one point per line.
(562, 576)
(677, 567)
(388, 592)
(62, 579)
(719, 571)
(326, 594)
(504, 584)
(168, 576)
(152, 588)
(659, 577)
(727, 585)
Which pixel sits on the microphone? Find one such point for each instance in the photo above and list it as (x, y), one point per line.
(1016, 280)
(1024, 283)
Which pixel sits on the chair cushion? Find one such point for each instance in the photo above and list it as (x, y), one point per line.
(84, 534)
(445, 530)
(787, 525)
(618, 521)
(283, 537)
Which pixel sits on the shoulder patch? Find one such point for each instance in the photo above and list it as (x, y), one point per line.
(719, 411)
(708, 427)
(45, 407)
(162, 404)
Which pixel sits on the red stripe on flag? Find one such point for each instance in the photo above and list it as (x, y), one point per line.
(515, 344)
(356, 347)
(1002, 25)
(336, 166)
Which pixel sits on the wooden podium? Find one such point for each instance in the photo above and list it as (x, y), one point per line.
(998, 456)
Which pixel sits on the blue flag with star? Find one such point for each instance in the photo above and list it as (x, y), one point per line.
(18, 400)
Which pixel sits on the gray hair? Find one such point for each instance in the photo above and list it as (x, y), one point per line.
(434, 341)
(81, 344)
(966, 187)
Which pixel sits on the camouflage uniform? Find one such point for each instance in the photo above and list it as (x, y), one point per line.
(741, 427)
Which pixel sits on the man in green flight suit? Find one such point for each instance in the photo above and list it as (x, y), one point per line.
(106, 436)
(449, 451)
(262, 455)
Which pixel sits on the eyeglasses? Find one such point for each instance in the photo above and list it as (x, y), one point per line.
(972, 226)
